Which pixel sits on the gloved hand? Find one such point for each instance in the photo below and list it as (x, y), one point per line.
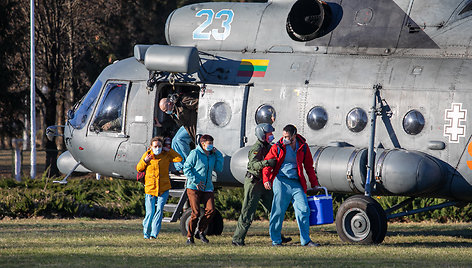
(314, 190)
(173, 98)
(270, 162)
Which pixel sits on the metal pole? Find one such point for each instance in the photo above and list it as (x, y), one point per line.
(242, 133)
(25, 132)
(32, 94)
(400, 205)
(17, 144)
(425, 209)
(370, 157)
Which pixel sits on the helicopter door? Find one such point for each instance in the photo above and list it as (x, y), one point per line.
(138, 129)
(220, 114)
(106, 130)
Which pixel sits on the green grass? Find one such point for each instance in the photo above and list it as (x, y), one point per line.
(119, 243)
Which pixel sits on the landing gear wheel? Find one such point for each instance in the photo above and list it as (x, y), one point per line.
(185, 218)
(214, 228)
(360, 219)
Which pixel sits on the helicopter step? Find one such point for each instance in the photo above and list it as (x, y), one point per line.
(178, 190)
(170, 207)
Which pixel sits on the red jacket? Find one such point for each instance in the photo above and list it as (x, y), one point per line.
(304, 158)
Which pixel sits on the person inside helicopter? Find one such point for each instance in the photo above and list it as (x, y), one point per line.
(182, 107)
(109, 116)
(180, 103)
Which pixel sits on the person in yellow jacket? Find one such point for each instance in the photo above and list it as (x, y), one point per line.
(156, 163)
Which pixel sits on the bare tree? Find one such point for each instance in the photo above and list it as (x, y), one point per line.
(75, 40)
(12, 103)
(65, 32)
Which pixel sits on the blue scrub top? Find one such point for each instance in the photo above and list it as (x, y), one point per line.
(289, 169)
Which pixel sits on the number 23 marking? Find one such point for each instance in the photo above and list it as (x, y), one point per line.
(199, 33)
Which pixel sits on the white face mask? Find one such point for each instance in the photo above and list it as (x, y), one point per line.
(157, 150)
(287, 141)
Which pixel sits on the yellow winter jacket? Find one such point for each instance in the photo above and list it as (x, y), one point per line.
(157, 171)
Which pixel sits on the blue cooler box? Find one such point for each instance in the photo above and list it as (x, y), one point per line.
(321, 209)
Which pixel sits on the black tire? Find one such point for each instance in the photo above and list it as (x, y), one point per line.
(361, 219)
(214, 228)
(184, 221)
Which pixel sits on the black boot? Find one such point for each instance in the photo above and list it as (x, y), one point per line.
(238, 244)
(201, 236)
(286, 239)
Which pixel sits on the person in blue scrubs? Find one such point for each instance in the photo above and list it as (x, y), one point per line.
(288, 183)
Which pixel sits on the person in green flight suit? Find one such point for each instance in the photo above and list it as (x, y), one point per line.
(254, 191)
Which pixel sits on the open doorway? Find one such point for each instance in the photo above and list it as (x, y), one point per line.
(175, 117)
(185, 97)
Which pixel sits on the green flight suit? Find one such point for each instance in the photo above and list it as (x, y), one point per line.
(254, 191)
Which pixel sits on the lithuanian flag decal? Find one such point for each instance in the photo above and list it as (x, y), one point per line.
(253, 68)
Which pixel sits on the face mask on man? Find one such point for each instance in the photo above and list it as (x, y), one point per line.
(157, 150)
(270, 138)
(287, 141)
(209, 147)
(169, 112)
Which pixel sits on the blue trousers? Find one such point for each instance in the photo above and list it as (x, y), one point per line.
(154, 214)
(286, 191)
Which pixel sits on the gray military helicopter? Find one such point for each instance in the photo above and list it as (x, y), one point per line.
(380, 89)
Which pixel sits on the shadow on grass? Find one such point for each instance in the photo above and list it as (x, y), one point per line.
(432, 245)
(446, 230)
(215, 259)
(463, 233)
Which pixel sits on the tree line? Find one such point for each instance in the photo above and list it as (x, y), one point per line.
(75, 40)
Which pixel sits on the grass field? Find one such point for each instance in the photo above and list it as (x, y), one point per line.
(7, 161)
(119, 243)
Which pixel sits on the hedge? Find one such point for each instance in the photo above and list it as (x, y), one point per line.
(114, 198)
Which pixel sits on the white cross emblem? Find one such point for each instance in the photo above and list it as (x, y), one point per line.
(453, 128)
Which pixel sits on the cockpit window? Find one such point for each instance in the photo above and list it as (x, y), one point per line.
(466, 9)
(109, 115)
(79, 115)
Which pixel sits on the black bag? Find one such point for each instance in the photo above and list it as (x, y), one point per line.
(141, 176)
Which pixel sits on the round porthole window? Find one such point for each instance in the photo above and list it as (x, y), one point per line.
(265, 114)
(220, 114)
(356, 120)
(317, 118)
(413, 122)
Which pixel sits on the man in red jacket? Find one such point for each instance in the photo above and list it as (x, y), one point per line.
(288, 183)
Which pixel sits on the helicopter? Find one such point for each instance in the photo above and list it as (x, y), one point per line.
(380, 89)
